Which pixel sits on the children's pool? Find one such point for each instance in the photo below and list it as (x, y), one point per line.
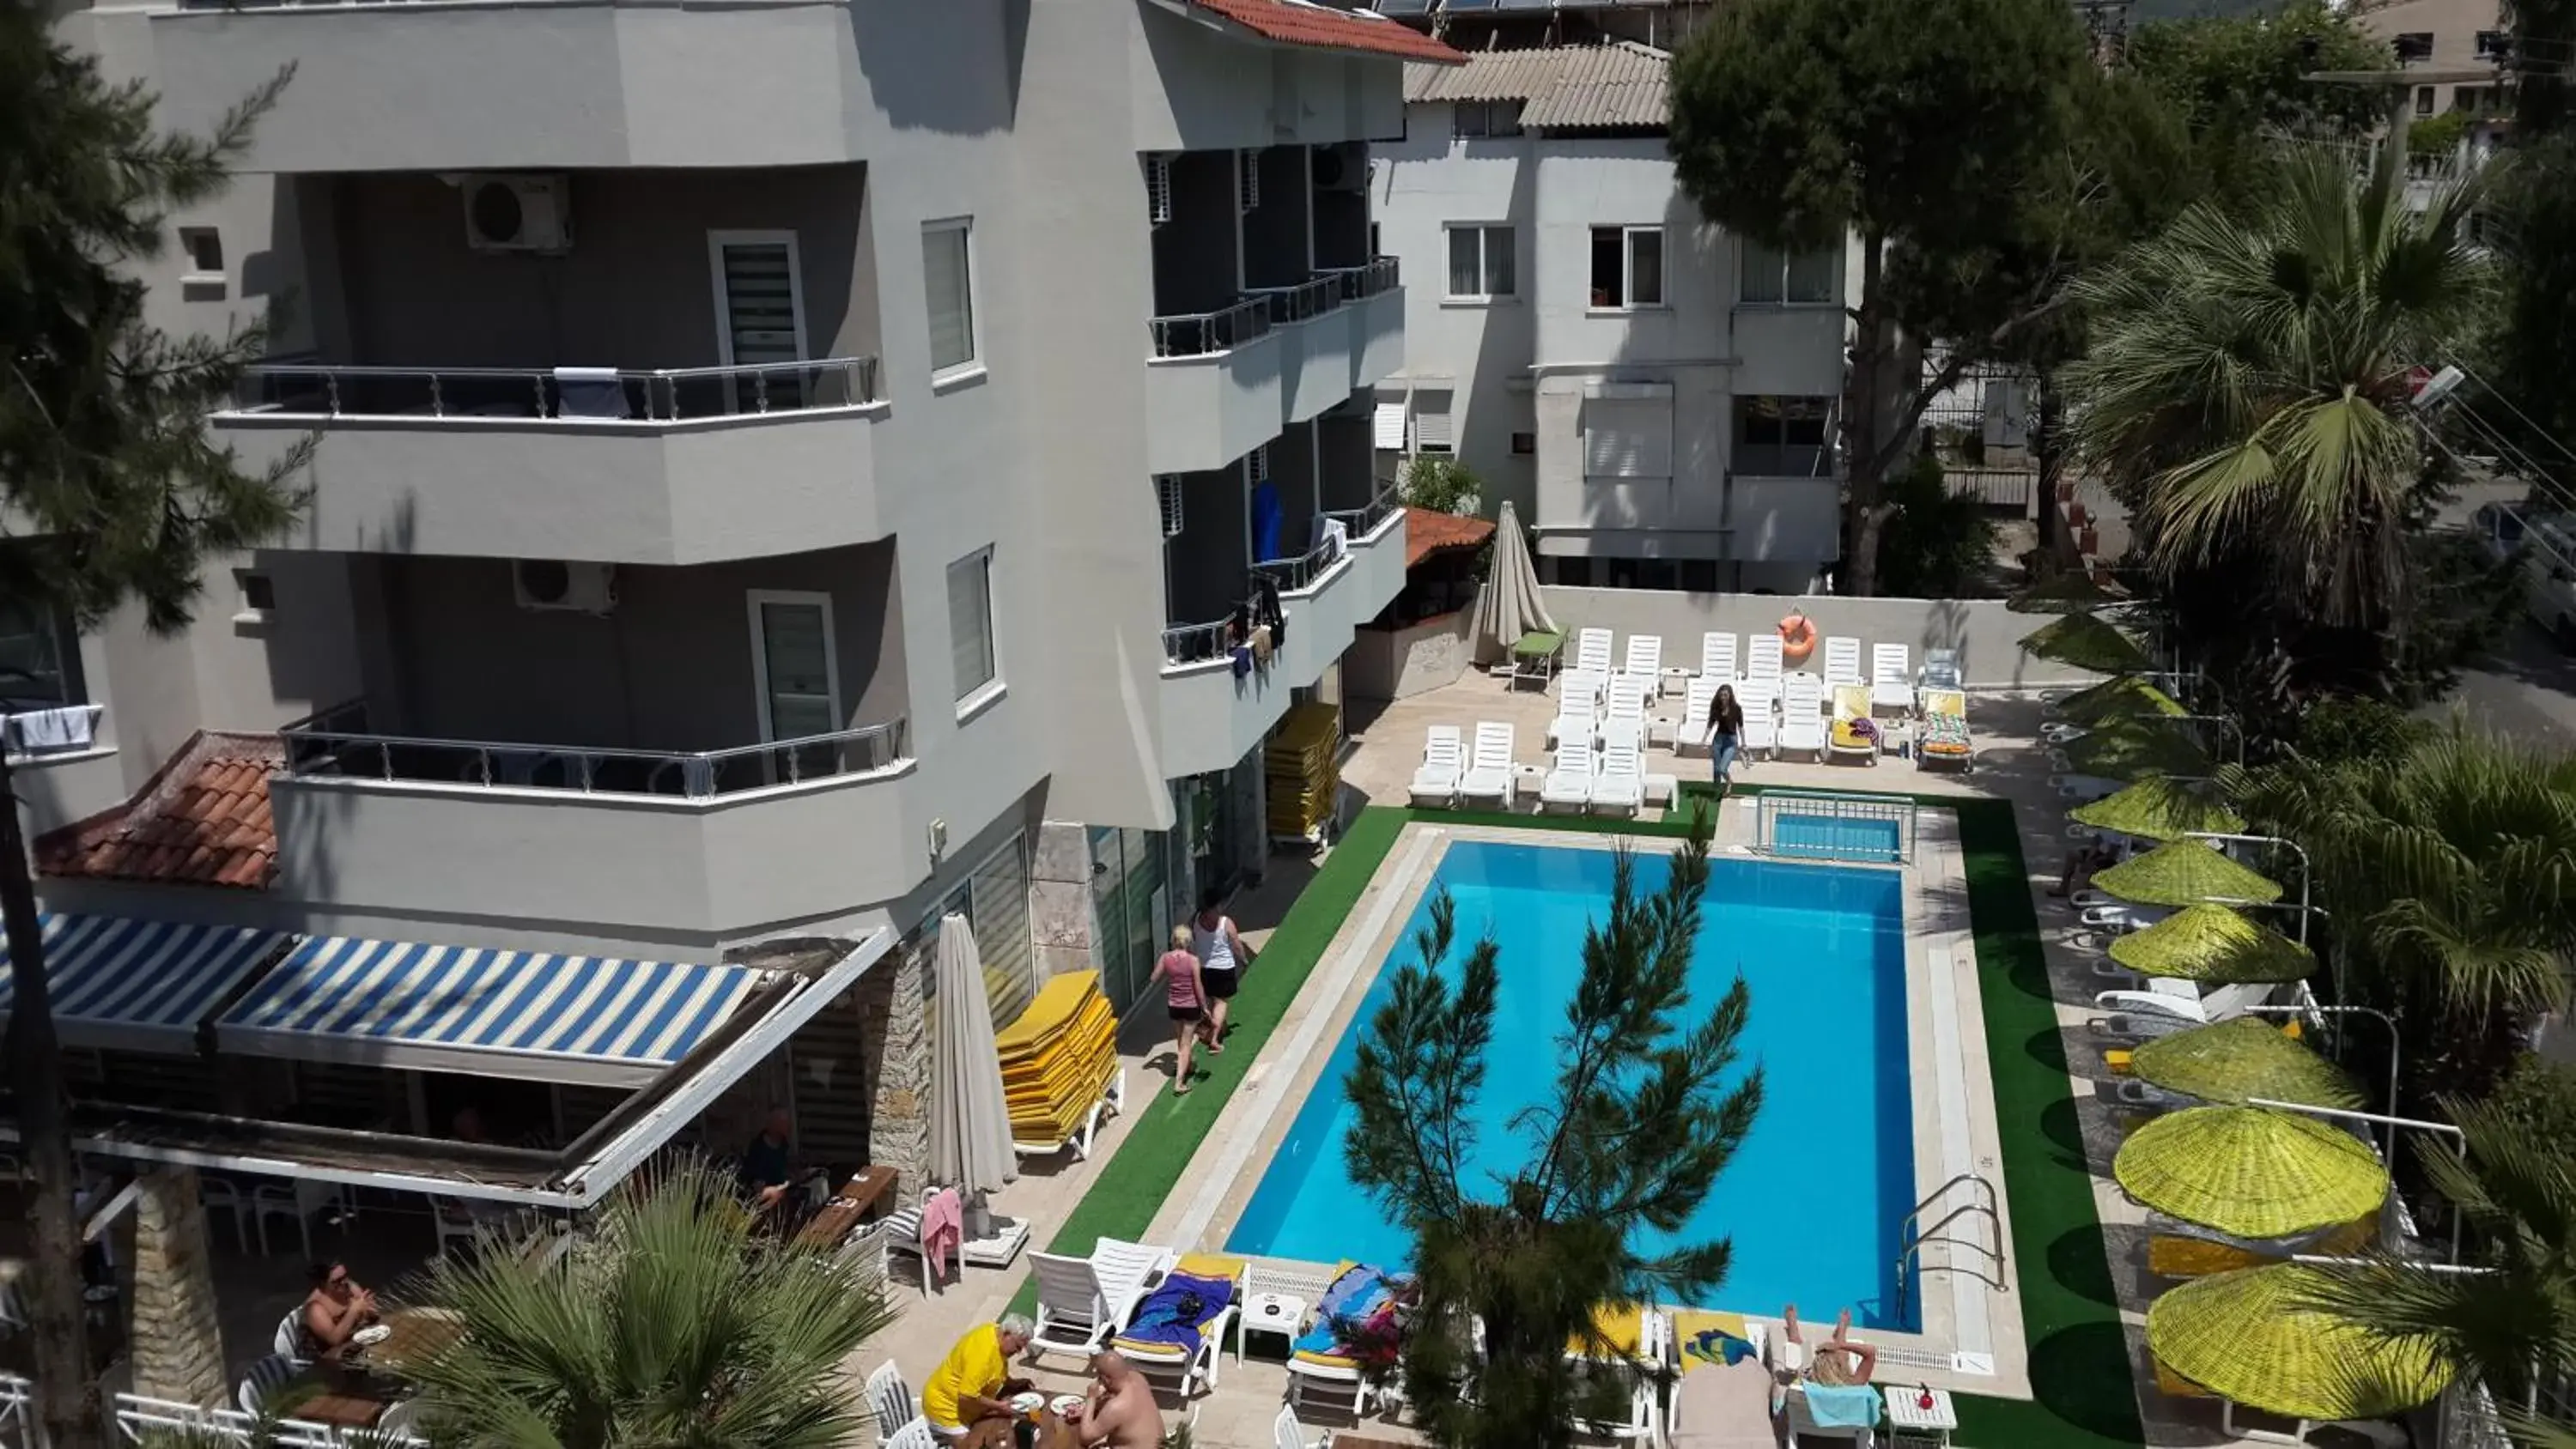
(1812, 1200)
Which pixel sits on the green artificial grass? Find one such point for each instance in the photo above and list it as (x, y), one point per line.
(2079, 1364)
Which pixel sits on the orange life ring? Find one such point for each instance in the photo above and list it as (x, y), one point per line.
(1797, 640)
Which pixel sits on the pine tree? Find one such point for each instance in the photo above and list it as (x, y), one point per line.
(105, 456)
(1641, 1126)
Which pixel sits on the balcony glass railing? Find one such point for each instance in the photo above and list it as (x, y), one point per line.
(1365, 281)
(1203, 334)
(571, 394)
(337, 744)
(1362, 521)
(1293, 574)
(1310, 298)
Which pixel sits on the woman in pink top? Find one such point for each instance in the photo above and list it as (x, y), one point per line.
(1186, 993)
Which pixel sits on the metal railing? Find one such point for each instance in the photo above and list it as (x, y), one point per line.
(17, 1412)
(337, 744)
(1202, 334)
(1833, 825)
(1195, 643)
(13, 732)
(1914, 1234)
(1302, 302)
(667, 394)
(1363, 520)
(1366, 280)
(138, 1418)
(1301, 572)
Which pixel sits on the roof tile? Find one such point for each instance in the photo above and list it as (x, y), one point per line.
(205, 820)
(1301, 22)
(1428, 531)
(1618, 84)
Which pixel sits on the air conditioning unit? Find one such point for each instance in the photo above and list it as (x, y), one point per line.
(1341, 168)
(1167, 496)
(544, 583)
(521, 213)
(1158, 188)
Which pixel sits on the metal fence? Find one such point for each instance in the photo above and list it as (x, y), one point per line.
(1985, 429)
(1834, 825)
(1307, 299)
(1201, 334)
(337, 744)
(18, 1428)
(1366, 280)
(503, 394)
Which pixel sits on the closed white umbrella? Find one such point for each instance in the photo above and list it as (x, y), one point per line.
(1509, 605)
(970, 1124)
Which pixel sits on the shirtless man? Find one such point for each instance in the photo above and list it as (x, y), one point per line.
(1119, 1411)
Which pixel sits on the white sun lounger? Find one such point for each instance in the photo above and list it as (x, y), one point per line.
(1645, 661)
(1760, 701)
(1081, 1301)
(1592, 651)
(1717, 657)
(1762, 656)
(1621, 729)
(1620, 783)
(1690, 732)
(1941, 669)
(1578, 717)
(1842, 660)
(1183, 1372)
(1569, 785)
(1802, 717)
(1489, 769)
(1891, 677)
(1581, 683)
(1444, 759)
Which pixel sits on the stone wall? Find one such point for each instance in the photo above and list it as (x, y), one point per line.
(1416, 659)
(1060, 904)
(897, 1078)
(176, 1347)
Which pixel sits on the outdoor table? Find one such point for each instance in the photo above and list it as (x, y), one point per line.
(1279, 1313)
(862, 1197)
(417, 1333)
(1912, 1422)
(347, 1401)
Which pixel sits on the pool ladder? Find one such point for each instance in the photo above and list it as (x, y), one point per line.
(1982, 1202)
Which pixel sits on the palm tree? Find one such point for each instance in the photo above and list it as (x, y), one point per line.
(2510, 1325)
(677, 1324)
(2450, 876)
(2246, 382)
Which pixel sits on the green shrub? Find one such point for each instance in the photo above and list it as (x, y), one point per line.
(1443, 485)
(1938, 544)
(2352, 728)
(2538, 1097)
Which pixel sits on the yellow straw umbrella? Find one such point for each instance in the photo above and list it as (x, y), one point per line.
(2157, 808)
(2250, 1172)
(2248, 1057)
(2248, 1337)
(2184, 873)
(2086, 643)
(2213, 944)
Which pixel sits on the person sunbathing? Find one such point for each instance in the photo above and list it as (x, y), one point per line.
(1836, 1361)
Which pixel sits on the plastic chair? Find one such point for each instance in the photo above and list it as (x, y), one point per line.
(215, 1193)
(890, 1399)
(265, 1378)
(290, 1333)
(400, 1421)
(298, 1200)
(915, 1434)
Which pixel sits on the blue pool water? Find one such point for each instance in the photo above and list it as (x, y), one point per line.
(1813, 1198)
(1826, 837)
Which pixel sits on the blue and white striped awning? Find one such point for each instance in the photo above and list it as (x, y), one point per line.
(134, 985)
(575, 1019)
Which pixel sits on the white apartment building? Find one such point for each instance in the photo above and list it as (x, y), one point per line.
(1655, 396)
(782, 473)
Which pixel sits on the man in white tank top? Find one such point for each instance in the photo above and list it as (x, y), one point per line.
(1222, 957)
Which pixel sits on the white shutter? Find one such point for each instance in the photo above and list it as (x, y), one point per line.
(758, 282)
(1434, 427)
(1158, 188)
(1260, 464)
(1628, 437)
(970, 622)
(1167, 495)
(998, 893)
(1387, 426)
(1247, 192)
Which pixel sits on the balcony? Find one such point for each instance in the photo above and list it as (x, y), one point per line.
(717, 843)
(669, 466)
(1223, 383)
(481, 87)
(1797, 520)
(1789, 350)
(1211, 718)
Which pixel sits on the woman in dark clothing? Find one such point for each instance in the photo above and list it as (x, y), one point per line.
(1725, 734)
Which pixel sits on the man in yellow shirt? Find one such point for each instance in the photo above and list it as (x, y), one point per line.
(966, 1398)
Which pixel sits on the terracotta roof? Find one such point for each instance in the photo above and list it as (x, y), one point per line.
(1616, 85)
(1301, 22)
(1428, 531)
(203, 820)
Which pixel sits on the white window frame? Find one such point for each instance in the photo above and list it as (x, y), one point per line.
(1511, 109)
(1628, 269)
(973, 700)
(1484, 272)
(1744, 257)
(974, 364)
(753, 599)
(717, 241)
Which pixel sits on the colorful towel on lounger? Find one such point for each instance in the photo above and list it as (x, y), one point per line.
(1712, 1338)
(1175, 1316)
(1842, 1406)
(1360, 1296)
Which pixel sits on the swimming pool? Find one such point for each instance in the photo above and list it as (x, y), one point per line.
(1815, 1195)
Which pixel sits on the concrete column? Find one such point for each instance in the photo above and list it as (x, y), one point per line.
(1061, 917)
(177, 1347)
(897, 1032)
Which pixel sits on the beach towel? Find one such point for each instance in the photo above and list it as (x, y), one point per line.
(943, 1228)
(1842, 1406)
(1712, 1338)
(1360, 1303)
(1176, 1314)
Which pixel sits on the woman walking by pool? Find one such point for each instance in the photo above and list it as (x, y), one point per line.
(1222, 957)
(1186, 994)
(1725, 735)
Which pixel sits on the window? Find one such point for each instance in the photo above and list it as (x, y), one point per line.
(1627, 266)
(1573, 573)
(797, 678)
(948, 280)
(1481, 263)
(760, 317)
(39, 659)
(2414, 45)
(1524, 444)
(970, 624)
(1473, 120)
(994, 899)
(2423, 100)
(1782, 437)
(2492, 45)
(204, 247)
(1773, 276)
(258, 595)
(1435, 430)
(1628, 431)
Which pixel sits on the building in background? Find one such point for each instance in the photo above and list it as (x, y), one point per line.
(781, 476)
(2448, 38)
(1657, 397)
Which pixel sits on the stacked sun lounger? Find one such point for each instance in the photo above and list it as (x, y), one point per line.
(1300, 769)
(1060, 1064)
